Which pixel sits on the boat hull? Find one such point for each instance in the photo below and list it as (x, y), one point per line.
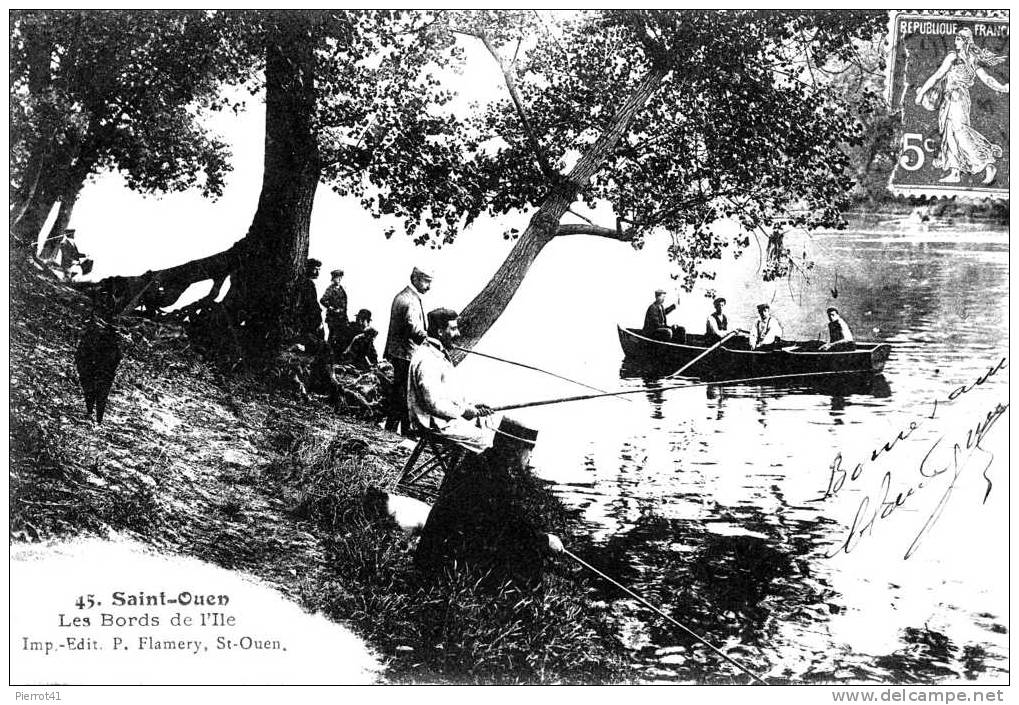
(728, 363)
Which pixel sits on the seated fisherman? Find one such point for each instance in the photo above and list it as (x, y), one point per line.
(717, 326)
(361, 351)
(433, 397)
(491, 515)
(840, 338)
(655, 324)
(766, 333)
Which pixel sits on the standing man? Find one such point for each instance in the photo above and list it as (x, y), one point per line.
(767, 331)
(435, 399)
(309, 315)
(717, 326)
(655, 324)
(840, 338)
(406, 331)
(335, 303)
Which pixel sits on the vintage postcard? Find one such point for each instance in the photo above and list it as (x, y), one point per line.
(505, 347)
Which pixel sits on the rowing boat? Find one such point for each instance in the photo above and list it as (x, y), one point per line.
(729, 361)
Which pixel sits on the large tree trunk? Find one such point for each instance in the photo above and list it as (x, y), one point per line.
(32, 214)
(265, 268)
(35, 196)
(264, 288)
(484, 310)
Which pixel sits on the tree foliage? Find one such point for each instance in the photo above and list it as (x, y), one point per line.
(118, 90)
(742, 127)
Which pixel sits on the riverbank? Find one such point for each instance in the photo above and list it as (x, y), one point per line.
(192, 461)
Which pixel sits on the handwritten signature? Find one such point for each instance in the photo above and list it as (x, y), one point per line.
(940, 459)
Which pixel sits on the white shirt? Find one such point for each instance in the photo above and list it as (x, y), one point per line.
(766, 331)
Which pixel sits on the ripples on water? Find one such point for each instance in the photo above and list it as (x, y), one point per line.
(705, 501)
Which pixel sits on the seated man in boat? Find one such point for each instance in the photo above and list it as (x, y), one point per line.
(840, 338)
(655, 324)
(766, 333)
(717, 326)
(493, 515)
(434, 398)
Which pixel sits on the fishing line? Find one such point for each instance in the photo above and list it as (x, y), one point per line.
(682, 626)
(530, 367)
(690, 385)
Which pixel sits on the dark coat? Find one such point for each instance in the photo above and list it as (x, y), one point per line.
(309, 315)
(96, 359)
(491, 517)
(335, 302)
(655, 317)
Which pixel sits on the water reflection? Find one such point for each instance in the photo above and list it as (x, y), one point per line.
(750, 576)
(705, 502)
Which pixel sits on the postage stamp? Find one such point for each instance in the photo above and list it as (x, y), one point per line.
(948, 82)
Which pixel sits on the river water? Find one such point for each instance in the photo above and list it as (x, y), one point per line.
(711, 502)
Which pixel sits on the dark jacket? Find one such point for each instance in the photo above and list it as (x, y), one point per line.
(335, 302)
(655, 316)
(490, 517)
(309, 315)
(361, 352)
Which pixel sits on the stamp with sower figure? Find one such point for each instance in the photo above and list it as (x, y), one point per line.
(948, 81)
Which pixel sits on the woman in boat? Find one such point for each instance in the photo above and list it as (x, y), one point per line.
(947, 91)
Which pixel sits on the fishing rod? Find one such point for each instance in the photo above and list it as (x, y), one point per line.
(682, 626)
(530, 367)
(685, 385)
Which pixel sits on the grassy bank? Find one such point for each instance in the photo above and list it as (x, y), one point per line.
(222, 467)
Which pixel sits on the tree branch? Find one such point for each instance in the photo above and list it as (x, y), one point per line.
(539, 154)
(596, 230)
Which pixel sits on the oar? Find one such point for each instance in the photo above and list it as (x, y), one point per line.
(685, 385)
(682, 626)
(530, 367)
(703, 354)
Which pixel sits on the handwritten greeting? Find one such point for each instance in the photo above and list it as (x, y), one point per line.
(948, 456)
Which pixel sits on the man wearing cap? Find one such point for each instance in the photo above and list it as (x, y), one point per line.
(309, 315)
(767, 331)
(406, 332)
(334, 300)
(435, 400)
(717, 326)
(492, 515)
(655, 324)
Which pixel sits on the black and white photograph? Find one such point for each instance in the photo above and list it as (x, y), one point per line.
(508, 347)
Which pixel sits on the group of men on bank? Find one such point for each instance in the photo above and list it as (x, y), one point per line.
(348, 341)
(764, 334)
(424, 394)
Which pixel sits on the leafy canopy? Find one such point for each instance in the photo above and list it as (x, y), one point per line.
(743, 127)
(121, 90)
